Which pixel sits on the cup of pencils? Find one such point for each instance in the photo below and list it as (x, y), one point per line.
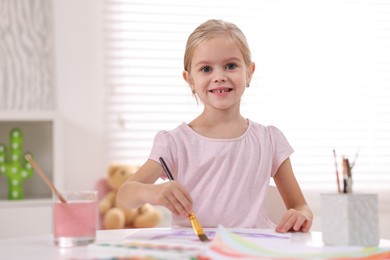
(349, 218)
(346, 173)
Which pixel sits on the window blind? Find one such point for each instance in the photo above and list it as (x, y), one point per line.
(322, 77)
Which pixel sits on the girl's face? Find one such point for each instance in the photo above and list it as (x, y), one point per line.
(218, 73)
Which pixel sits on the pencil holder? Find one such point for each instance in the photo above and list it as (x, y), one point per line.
(350, 219)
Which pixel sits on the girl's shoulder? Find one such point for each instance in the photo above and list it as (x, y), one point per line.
(265, 128)
(179, 131)
(270, 132)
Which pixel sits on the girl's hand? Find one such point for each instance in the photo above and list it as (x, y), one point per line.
(294, 220)
(172, 196)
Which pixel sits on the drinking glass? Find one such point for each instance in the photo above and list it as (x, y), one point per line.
(75, 222)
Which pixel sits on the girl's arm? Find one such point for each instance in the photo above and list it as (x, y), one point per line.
(140, 189)
(298, 216)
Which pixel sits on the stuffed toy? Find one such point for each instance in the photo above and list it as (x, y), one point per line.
(114, 217)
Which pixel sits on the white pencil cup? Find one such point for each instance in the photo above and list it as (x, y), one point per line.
(350, 219)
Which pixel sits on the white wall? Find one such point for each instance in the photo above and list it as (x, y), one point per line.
(80, 91)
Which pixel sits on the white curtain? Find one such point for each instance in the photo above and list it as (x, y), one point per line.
(322, 77)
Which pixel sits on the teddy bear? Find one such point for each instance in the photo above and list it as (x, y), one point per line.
(114, 217)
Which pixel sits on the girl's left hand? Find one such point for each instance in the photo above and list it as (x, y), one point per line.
(294, 220)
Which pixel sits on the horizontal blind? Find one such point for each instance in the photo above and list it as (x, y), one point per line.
(322, 77)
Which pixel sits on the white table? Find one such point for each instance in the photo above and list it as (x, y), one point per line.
(42, 246)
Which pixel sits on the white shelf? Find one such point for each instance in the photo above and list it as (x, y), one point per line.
(25, 203)
(27, 116)
(42, 137)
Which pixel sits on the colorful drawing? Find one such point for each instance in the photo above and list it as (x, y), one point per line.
(15, 168)
(232, 246)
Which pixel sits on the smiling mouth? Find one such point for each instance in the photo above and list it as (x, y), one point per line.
(221, 90)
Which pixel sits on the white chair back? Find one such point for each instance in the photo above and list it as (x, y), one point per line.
(275, 204)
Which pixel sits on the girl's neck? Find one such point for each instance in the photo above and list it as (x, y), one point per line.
(220, 125)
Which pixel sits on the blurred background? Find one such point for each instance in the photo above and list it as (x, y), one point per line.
(106, 76)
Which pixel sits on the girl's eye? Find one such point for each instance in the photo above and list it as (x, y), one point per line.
(206, 69)
(231, 66)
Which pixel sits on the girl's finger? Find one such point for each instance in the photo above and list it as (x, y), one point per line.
(300, 220)
(307, 225)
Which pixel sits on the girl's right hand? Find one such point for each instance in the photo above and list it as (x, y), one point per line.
(172, 196)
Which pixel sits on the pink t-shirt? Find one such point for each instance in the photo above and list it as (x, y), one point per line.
(226, 178)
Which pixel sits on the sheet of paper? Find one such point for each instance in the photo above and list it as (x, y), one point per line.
(185, 235)
(180, 243)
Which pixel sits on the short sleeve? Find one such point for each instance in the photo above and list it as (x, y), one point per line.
(162, 147)
(281, 148)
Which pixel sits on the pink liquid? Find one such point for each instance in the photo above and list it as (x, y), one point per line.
(75, 219)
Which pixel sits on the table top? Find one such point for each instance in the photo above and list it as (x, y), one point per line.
(42, 246)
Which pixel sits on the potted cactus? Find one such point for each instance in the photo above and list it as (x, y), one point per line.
(15, 168)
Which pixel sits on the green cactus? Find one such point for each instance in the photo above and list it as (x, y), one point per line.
(17, 168)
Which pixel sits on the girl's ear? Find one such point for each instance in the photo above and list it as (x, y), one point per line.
(187, 78)
(185, 75)
(250, 72)
(253, 66)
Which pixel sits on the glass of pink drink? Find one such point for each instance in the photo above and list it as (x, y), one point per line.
(75, 222)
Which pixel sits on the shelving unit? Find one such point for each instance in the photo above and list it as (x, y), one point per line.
(41, 137)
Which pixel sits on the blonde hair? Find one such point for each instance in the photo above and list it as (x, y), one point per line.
(212, 29)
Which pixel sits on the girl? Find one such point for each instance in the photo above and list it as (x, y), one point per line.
(221, 162)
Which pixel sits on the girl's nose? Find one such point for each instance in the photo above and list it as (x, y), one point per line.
(219, 76)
